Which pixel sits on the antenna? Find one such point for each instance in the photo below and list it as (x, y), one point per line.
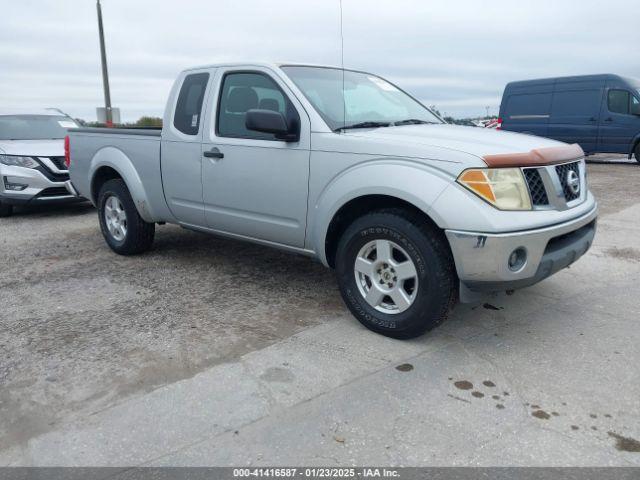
(344, 101)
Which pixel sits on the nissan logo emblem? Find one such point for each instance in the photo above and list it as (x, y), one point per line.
(573, 182)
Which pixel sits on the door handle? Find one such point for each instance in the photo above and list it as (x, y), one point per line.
(592, 119)
(213, 153)
(608, 119)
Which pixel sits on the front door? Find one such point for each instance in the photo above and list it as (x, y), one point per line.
(618, 126)
(255, 185)
(181, 150)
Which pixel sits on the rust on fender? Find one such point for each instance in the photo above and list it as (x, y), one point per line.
(536, 157)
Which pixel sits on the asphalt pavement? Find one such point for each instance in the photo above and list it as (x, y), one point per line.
(214, 352)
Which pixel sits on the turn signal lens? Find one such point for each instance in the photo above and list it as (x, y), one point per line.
(504, 188)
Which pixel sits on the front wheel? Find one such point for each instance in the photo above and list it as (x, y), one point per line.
(123, 228)
(396, 273)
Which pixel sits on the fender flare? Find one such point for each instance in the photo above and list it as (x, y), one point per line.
(413, 182)
(116, 159)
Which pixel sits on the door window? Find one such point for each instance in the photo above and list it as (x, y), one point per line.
(189, 105)
(245, 91)
(635, 105)
(576, 103)
(619, 101)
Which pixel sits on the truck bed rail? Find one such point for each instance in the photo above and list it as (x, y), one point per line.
(146, 131)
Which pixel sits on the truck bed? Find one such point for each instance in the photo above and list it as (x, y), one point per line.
(133, 153)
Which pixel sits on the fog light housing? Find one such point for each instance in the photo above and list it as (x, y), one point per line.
(517, 259)
(15, 187)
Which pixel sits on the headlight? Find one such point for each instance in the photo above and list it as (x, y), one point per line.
(18, 161)
(504, 188)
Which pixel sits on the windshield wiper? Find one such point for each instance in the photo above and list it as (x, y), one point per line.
(412, 121)
(364, 125)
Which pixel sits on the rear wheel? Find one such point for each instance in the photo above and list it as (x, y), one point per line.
(122, 227)
(6, 210)
(396, 273)
(638, 152)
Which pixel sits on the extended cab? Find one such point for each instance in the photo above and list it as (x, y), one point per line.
(347, 168)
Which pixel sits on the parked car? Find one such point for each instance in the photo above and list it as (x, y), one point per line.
(601, 113)
(411, 212)
(32, 168)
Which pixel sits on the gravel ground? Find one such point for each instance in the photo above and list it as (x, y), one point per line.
(86, 334)
(83, 328)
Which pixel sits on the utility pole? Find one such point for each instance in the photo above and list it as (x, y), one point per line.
(487, 107)
(105, 73)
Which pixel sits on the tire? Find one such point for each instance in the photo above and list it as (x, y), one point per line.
(134, 235)
(5, 210)
(638, 152)
(427, 297)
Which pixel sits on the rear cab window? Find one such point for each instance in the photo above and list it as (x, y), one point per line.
(188, 114)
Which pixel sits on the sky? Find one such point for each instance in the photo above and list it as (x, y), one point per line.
(454, 54)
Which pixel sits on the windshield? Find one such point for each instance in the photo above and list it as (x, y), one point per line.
(366, 101)
(34, 127)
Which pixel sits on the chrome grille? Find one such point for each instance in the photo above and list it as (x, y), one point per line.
(536, 187)
(562, 170)
(549, 185)
(58, 162)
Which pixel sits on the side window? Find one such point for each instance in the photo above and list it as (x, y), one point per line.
(529, 104)
(618, 101)
(576, 103)
(189, 105)
(635, 105)
(246, 91)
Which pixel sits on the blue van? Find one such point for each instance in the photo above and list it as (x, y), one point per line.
(599, 112)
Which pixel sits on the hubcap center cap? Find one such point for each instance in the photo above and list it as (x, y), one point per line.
(386, 275)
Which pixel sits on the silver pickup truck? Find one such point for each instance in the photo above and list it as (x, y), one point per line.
(345, 167)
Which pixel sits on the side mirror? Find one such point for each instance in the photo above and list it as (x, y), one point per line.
(635, 108)
(269, 121)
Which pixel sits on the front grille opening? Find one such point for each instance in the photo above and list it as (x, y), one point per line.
(54, 192)
(556, 243)
(562, 171)
(536, 187)
(54, 177)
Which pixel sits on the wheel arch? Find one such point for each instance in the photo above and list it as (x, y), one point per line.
(373, 185)
(634, 146)
(360, 206)
(102, 175)
(111, 163)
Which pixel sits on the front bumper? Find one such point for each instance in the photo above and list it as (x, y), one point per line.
(38, 189)
(482, 260)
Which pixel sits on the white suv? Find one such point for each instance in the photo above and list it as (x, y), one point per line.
(32, 168)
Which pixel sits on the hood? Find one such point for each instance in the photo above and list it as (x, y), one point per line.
(33, 148)
(471, 140)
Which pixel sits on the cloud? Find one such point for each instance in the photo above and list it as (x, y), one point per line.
(457, 55)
